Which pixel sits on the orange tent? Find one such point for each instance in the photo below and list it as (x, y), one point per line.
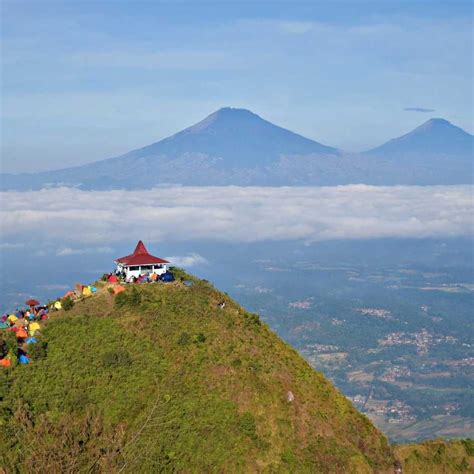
(21, 333)
(118, 289)
(5, 362)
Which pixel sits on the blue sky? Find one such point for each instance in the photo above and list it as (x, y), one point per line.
(82, 81)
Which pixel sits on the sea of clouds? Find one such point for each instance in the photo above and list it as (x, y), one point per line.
(240, 214)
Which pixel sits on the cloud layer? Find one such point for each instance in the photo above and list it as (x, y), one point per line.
(418, 109)
(185, 261)
(69, 216)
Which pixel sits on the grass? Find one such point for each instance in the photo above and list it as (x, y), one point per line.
(159, 379)
(437, 456)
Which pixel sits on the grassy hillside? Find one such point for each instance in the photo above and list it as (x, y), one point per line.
(437, 457)
(159, 379)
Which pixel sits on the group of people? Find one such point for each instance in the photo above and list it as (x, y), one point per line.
(25, 324)
(144, 278)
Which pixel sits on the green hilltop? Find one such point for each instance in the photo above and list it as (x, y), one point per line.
(159, 378)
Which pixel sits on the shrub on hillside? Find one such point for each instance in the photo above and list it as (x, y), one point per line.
(38, 351)
(67, 303)
(10, 342)
(200, 338)
(253, 319)
(248, 425)
(3, 349)
(132, 298)
(119, 358)
(288, 457)
(469, 446)
(236, 363)
(184, 339)
(121, 300)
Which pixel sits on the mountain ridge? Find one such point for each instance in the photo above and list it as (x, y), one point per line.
(237, 147)
(162, 377)
(167, 372)
(238, 127)
(436, 135)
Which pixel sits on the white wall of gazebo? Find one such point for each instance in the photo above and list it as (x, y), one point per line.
(137, 270)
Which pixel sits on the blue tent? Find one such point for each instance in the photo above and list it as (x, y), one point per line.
(168, 276)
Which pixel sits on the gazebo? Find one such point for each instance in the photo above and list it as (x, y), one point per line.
(140, 262)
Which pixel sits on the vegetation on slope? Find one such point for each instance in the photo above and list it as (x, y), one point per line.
(159, 379)
(437, 457)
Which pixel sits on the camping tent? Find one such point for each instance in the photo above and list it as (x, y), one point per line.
(33, 327)
(21, 334)
(168, 276)
(118, 289)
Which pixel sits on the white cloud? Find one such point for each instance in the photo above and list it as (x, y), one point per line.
(66, 251)
(186, 261)
(10, 245)
(262, 290)
(295, 27)
(180, 60)
(54, 286)
(241, 214)
(304, 304)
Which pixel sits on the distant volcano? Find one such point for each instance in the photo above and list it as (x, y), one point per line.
(237, 136)
(436, 136)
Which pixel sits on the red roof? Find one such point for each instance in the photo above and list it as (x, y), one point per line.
(140, 257)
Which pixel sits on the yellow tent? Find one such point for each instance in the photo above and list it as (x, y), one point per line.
(33, 327)
(86, 291)
(58, 305)
(12, 318)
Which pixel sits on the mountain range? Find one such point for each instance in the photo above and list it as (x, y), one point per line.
(237, 147)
